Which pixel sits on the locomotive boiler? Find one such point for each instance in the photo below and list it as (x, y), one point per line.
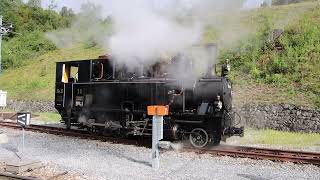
(108, 97)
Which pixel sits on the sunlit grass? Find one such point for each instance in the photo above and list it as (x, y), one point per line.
(48, 117)
(273, 137)
(5, 110)
(35, 81)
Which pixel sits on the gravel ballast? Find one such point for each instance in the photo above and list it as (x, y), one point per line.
(102, 160)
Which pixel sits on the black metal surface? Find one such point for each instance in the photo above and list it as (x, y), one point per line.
(104, 92)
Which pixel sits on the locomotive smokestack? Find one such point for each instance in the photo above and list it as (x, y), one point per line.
(212, 50)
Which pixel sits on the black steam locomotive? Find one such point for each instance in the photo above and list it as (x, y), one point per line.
(106, 97)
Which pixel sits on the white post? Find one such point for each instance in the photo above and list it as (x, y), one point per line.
(155, 144)
(160, 127)
(157, 134)
(22, 140)
(0, 44)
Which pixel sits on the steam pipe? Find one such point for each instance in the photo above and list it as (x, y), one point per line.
(212, 50)
(183, 101)
(113, 69)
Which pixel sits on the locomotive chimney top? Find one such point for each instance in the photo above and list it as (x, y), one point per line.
(212, 50)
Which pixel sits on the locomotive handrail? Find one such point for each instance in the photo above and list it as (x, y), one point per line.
(101, 72)
(190, 122)
(151, 80)
(210, 80)
(121, 82)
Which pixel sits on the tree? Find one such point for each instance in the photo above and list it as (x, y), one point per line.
(284, 2)
(32, 21)
(71, 13)
(53, 5)
(65, 12)
(34, 3)
(264, 4)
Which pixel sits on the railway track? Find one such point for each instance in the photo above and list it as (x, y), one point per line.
(7, 176)
(79, 133)
(300, 157)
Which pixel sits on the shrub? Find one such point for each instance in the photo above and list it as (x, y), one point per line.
(19, 49)
(297, 64)
(30, 22)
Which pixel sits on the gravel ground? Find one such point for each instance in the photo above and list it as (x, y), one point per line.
(88, 159)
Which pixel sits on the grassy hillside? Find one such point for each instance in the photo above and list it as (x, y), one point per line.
(36, 80)
(30, 23)
(260, 72)
(289, 74)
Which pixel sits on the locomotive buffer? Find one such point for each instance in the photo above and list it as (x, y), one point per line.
(157, 131)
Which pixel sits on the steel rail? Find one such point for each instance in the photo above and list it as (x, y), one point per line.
(16, 177)
(301, 157)
(278, 151)
(76, 133)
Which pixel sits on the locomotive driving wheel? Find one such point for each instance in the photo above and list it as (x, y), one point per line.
(91, 130)
(199, 137)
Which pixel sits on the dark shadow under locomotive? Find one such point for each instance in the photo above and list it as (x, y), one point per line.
(105, 97)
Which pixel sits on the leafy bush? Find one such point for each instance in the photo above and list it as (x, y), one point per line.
(295, 66)
(21, 48)
(29, 24)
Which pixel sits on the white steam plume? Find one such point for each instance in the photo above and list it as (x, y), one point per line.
(87, 27)
(141, 31)
(251, 4)
(145, 34)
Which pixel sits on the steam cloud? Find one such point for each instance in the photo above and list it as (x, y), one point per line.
(144, 30)
(250, 4)
(145, 33)
(87, 27)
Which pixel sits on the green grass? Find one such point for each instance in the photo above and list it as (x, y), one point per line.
(48, 117)
(253, 69)
(294, 70)
(5, 110)
(35, 81)
(273, 137)
(247, 90)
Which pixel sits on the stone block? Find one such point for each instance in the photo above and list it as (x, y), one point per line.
(22, 166)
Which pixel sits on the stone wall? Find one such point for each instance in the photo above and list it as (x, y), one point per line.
(31, 106)
(280, 117)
